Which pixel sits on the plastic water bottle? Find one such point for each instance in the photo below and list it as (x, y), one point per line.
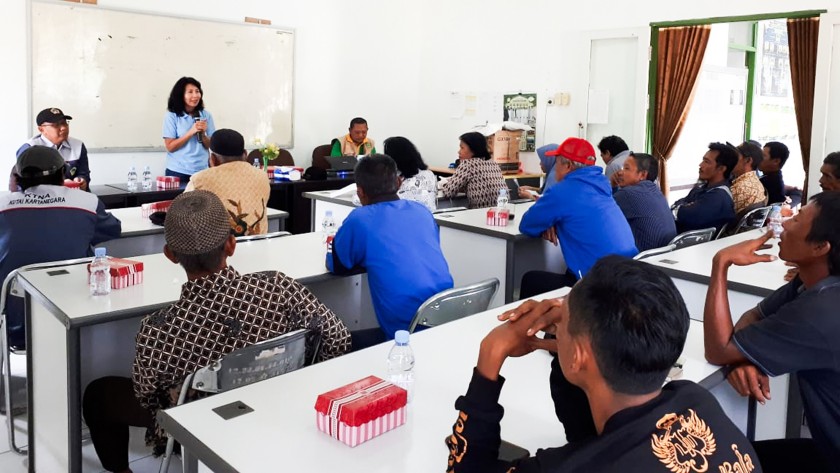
(100, 274)
(328, 228)
(147, 179)
(257, 163)
(401, 363)
(774, 221)
(503, 199)
(132, 179)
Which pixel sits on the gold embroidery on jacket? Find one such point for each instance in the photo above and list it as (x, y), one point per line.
(686, 443)
(457, 443)
(743, 465)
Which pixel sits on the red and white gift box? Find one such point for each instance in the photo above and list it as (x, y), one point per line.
(168, 182)
(362, 410)
(124, 272)
(152, 207)
(497, 217)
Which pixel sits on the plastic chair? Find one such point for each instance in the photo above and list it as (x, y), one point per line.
(753, 219)
(693, 237)
(248, 365)
(319, 155)
(6, 351)
(655, 251)
(264, 236)
(456, 303)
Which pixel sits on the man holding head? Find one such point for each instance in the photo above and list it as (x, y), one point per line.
(242, 188)
(830, 172)
(613, 151)
(355, 142)
(775, 156)
(46, 221)
(747, 189)
(54, 132)
(617, 352)
(709, 204)
(579, 214)
(219, 311)
(643, 204)
(397, 242)
(794, 330)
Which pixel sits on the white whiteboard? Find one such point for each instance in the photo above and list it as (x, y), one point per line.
(112, 71)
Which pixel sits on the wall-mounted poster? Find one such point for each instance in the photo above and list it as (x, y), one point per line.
(522, 108)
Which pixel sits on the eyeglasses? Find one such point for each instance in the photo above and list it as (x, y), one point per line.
(57, 125)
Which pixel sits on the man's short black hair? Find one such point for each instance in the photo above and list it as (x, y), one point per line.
(613, 144)
(826, 227)
(646, 162)
(635, 319)
(357, 121)
(377, 175)
(727, 157)
(203, 262)
(833, 160)
(477, 143)
(752, 152)
(779, 151)
(56, 179)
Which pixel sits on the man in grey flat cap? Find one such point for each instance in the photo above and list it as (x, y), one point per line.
(219, 311)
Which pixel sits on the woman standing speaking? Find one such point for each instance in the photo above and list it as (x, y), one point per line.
(187, 128)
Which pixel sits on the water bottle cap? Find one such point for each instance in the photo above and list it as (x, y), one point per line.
(401, 337)
(776, 207)
(101, 251)
(132, 168)
(502, 191)
(329, 213)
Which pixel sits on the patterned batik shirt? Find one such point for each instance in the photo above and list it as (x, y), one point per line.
(480, 179)
(216, 315)
(244, 191)
(747, 190)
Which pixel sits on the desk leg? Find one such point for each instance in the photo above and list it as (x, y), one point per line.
(189, 461)
(53, 383)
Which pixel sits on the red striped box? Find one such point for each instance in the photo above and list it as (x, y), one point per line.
(360, 411)
(152, 207)
(168, 182)
(124, 272)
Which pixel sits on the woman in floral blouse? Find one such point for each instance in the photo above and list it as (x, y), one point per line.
(477, 175)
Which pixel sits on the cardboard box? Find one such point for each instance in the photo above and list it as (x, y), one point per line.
(152, 207)
(504, 146)
(168, 182)
(360, 411)
(124, 272)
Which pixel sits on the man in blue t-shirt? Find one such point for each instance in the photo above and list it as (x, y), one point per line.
(794, 330)
(397, 242)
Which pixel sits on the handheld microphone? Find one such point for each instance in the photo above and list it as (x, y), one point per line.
(200, 135)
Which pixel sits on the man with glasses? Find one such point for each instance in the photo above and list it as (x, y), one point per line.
(54, 132)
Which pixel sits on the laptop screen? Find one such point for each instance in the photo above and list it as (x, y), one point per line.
(342, 163)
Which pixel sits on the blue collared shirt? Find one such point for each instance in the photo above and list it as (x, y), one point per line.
(192, 156)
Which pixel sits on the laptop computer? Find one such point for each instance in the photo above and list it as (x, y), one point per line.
(341, 163)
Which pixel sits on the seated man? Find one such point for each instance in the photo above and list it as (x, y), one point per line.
(613, 151)
(747, 189)
(219, 311)
(643, 204)
(242, 188)
(775, 156)
(397, 242)
(44, 222)
(55, 133)
(794, 330)
(616, 351)
(709, 204)
(354, 143)
(830, 172)
(580, 214)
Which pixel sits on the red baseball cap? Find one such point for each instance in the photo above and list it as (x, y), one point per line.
(575, 149)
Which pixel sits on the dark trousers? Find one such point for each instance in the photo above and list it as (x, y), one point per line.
(538, 282)
(185, 178)
(787, 455)
(571, 406)
(109, 408)
(361, 339)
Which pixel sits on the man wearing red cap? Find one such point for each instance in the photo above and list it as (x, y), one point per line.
(580, 214)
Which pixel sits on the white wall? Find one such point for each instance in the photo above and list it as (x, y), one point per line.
(394, 62)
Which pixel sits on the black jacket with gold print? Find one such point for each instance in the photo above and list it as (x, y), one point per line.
(683, 430)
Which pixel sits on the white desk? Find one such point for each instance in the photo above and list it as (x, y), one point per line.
(73, 338)
(281, 431)
(476, 251)
(690, 269)
(342, 205)
(141, 237)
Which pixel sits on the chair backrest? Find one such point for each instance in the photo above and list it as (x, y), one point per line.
(453, 304)
(264, 236)
(693, 237)
(264, 360)
(655, 251)
(753, 219)
(9, 284)
(319, 155)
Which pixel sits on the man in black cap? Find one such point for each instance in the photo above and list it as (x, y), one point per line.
(46, 221)
(54, 132)
(219, 311)
(242, 188)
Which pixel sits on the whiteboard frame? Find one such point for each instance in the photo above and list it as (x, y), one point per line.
(157, 149)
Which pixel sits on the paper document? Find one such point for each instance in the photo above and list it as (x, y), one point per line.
(347, 190)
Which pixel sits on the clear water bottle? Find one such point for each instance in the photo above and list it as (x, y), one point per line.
(132, 178)
(100, 274)
(774, 221)
(328, 228)
(147, 179)
(257, 163)
(401, 363)
(503, 199)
